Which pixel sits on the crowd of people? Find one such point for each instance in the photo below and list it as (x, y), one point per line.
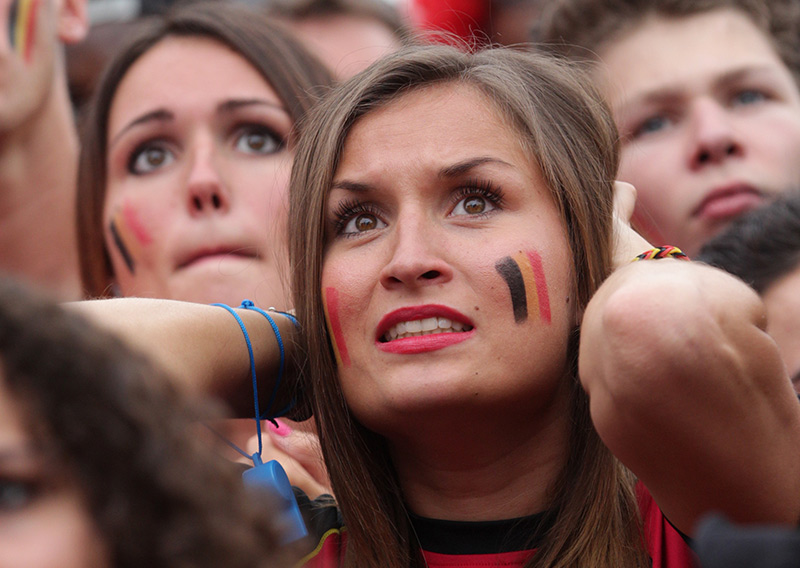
(526, 305)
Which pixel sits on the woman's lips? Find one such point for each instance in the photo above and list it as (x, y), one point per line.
(218, 254)
(419, 329)
(726, 203)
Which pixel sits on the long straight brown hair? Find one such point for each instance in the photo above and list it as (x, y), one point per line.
(572, 139)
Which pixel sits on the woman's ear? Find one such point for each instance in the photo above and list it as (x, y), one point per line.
(624, 200)
(73, 20)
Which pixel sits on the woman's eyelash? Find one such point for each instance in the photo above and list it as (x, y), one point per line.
(484, 188)
(349, 208)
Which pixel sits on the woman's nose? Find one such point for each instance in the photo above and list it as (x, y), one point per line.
(206, 190)
(416, 258)
(714, 137)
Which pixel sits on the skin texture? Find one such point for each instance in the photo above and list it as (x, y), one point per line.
(782, 302)
(44, 522)
(420, 168)
(346, 44)
(39, 150)
(197, 195)
(710, 108)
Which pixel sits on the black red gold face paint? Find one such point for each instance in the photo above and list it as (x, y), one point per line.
(129, 235)
(526, 282)
(330, 300)
(22, 27)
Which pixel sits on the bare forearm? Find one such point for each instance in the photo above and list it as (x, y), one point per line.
(201, 346)
(690, 393)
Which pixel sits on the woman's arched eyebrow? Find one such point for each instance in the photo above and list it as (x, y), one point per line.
(465, 166)
(235, 104)
(159, 115)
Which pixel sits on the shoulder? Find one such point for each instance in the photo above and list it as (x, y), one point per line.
(327, 534)
(667, 546)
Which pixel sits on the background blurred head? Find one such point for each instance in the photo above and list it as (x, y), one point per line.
(186, 157)
(99, 462)
(763, 249)
(706, 98)
(347, 35)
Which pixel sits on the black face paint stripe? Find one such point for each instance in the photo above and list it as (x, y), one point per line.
(126, 255)
(12, 25)
(510, 272)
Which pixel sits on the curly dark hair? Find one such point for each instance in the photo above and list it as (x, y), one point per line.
(157, 494)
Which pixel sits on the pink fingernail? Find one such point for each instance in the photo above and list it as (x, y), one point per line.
(282, 429)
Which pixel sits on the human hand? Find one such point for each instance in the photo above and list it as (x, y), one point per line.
(296, 447)
(627, 242)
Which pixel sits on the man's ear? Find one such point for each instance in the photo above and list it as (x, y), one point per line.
(73, 20)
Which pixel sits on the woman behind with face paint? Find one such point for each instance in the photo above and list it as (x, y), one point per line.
(453, 277)
(186, 156)
(98, 467)
(185, 167)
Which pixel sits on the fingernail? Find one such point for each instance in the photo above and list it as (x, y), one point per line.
(282, 429)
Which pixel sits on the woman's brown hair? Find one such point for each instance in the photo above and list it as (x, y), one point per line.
(295, 75)
(571, 137)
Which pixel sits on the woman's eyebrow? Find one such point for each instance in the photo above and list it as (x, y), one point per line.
(235, 104)
(351, 186)
(159, 115)
(464, 166)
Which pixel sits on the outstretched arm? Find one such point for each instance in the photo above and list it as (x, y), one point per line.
(689, 392)
(202, 346)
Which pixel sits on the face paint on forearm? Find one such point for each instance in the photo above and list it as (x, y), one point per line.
(22, 27)
(524, 276)
(330, 301)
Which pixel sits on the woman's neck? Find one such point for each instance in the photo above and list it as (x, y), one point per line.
(488, 468)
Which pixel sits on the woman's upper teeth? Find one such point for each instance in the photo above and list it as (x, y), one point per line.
(424, 327)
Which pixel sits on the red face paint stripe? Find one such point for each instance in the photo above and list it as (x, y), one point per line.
(30, 32)
(541, 285)
(132, 220)
(330, 299)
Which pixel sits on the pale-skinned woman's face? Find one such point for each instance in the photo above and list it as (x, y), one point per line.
(198, 171)
(710, 122)
(44, 520)
(446, 277)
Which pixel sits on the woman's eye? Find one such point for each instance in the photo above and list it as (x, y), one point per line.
(15, 495)
(748, 97)
(150, 158)
(257, 141)
(362, 223)
(473, 205)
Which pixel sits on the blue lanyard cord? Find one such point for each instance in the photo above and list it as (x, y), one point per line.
(227, 441)
(252, 367)
(249, 305)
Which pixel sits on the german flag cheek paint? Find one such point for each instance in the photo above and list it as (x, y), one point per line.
(22, 27)
(524, 276)
(330, 301)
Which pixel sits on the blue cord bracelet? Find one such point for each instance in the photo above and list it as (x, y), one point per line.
(249, 305)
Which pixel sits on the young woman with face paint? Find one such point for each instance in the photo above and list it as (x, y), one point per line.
(183, 180)
(453, 278)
